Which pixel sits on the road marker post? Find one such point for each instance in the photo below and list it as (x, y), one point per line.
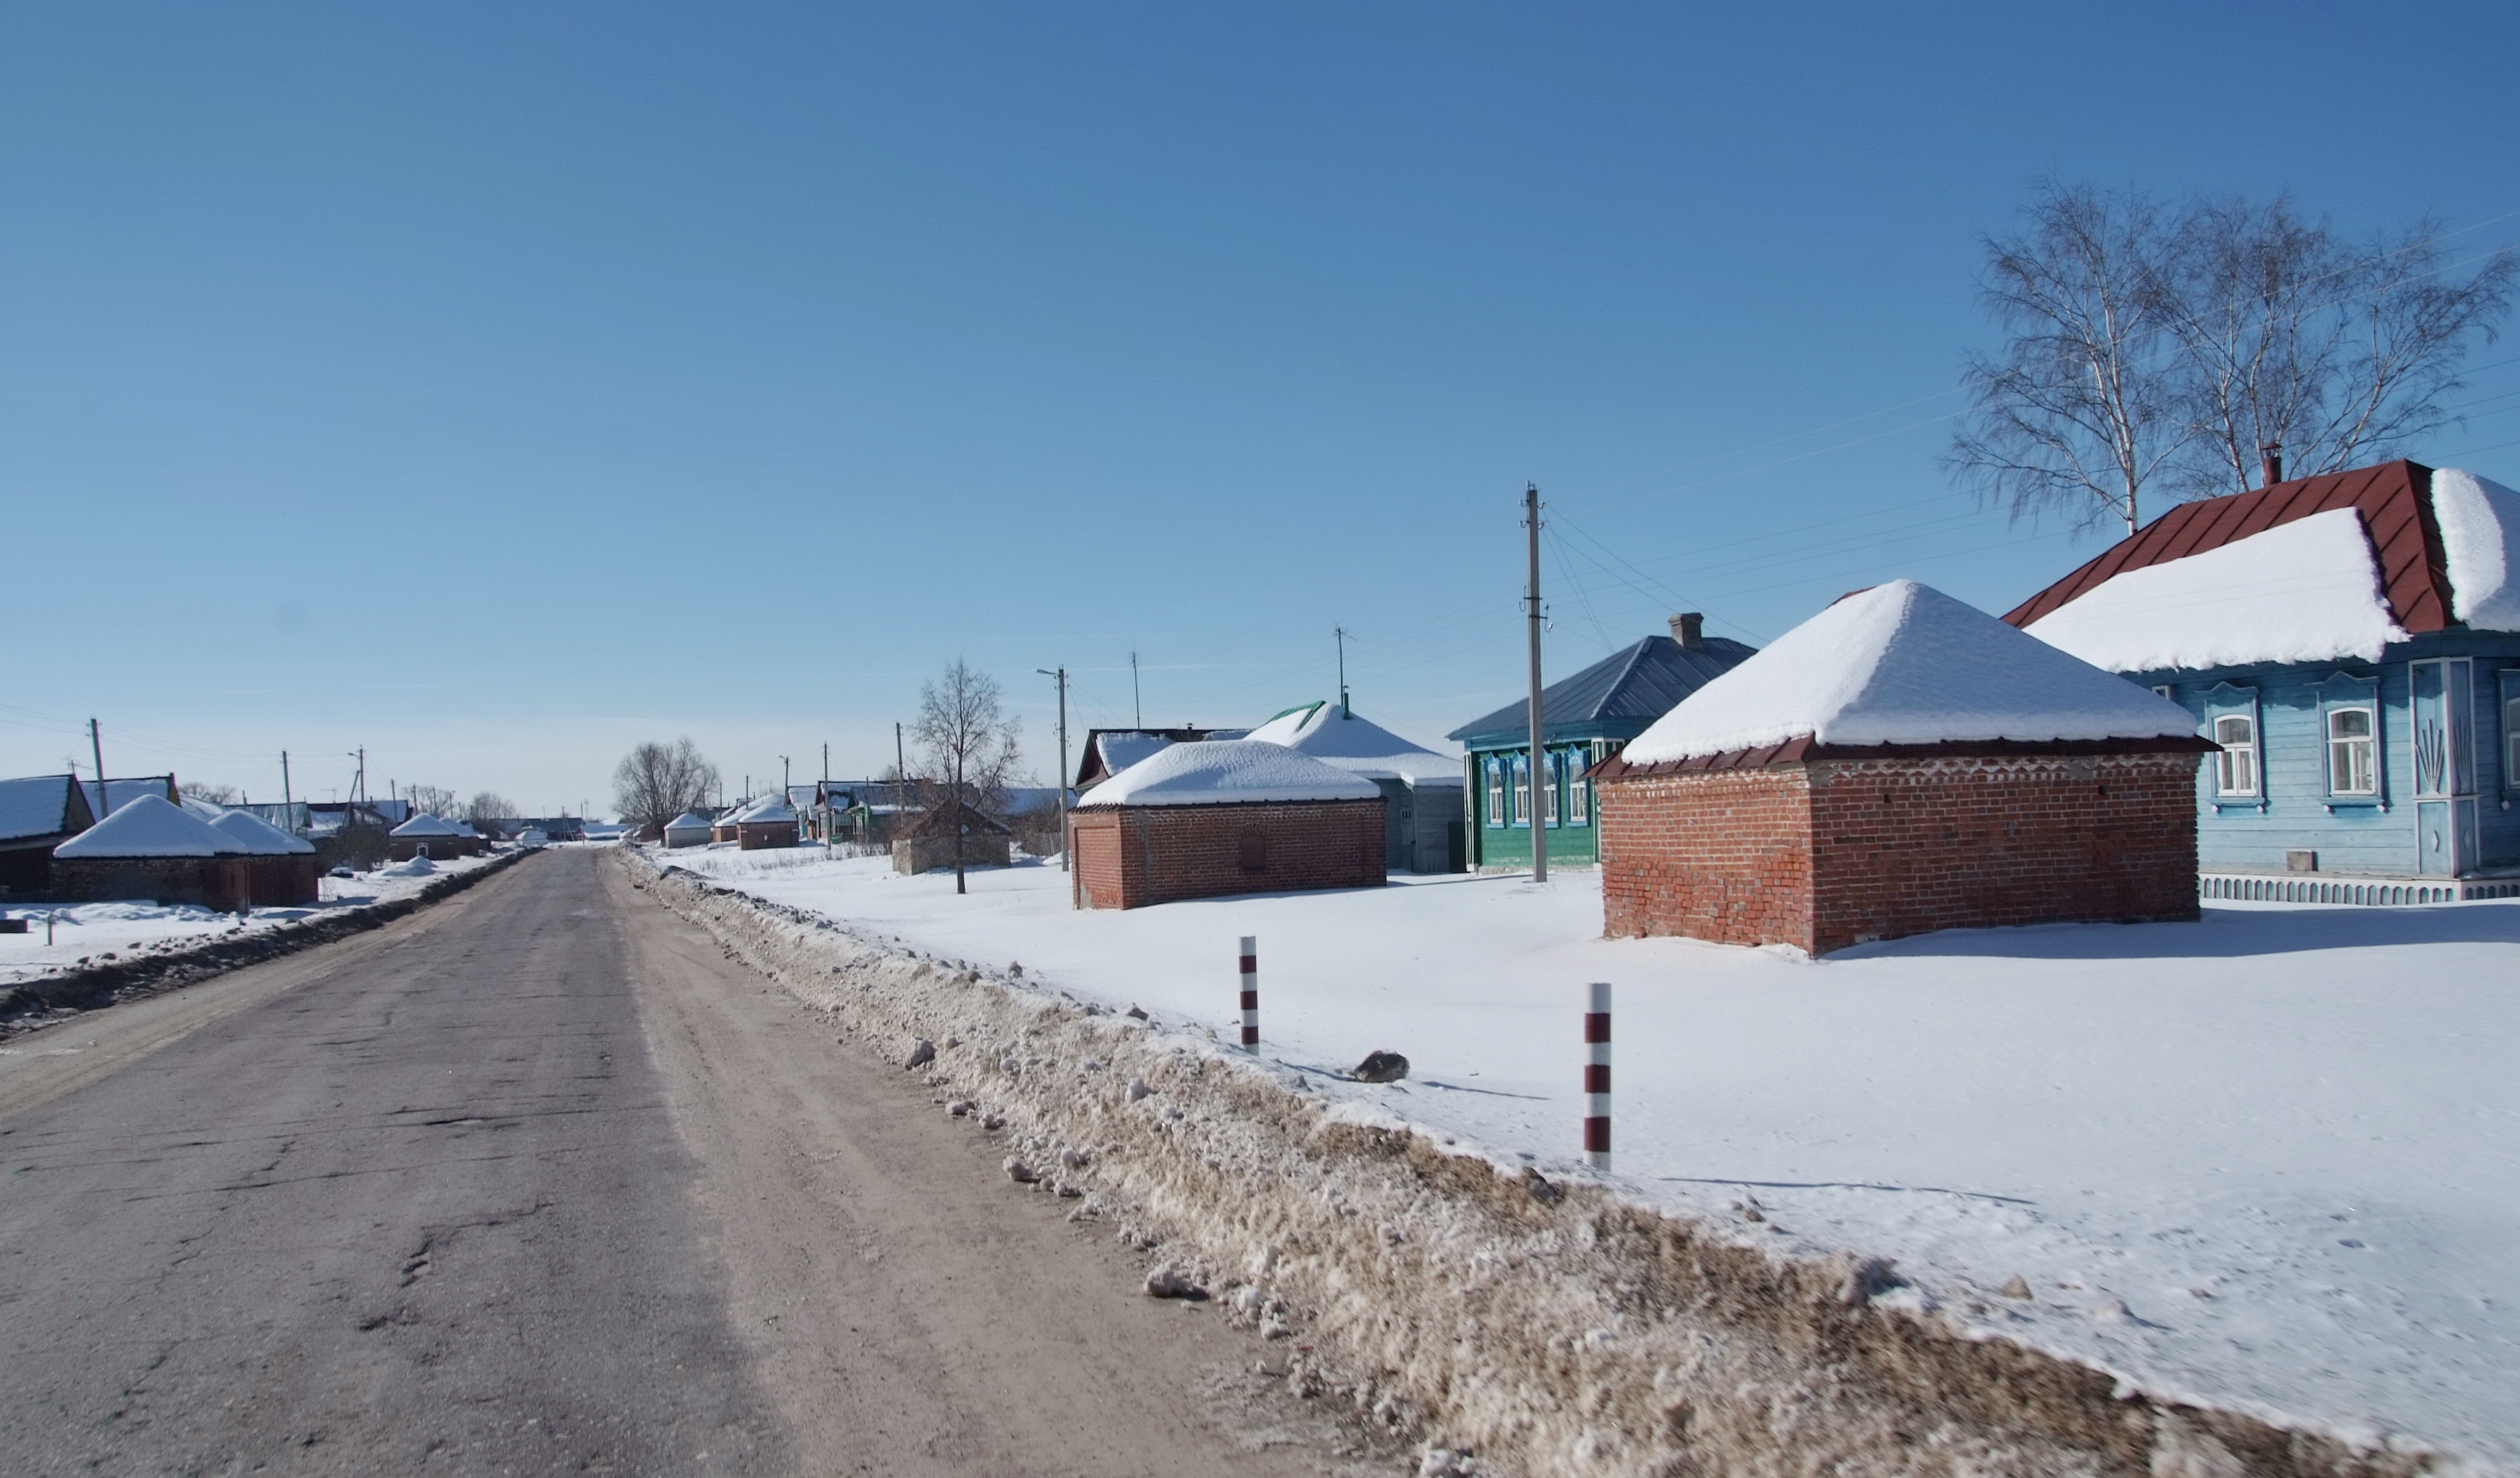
(1596, 1077)
(1251, 991)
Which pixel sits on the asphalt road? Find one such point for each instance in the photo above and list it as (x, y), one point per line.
(537, 1182)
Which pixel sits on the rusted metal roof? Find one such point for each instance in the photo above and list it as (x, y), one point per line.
(2394, 498)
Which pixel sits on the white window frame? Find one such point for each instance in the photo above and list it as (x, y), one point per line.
(2342, 752)
(2232, 754)
(2509, 709)
(1520, 816)
(1579, 796)
(1496, 793)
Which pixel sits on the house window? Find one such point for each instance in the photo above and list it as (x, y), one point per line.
(2511, 730)
(1496, 793)
(1578, 794)
(1551, 780)
(2235, 768)
(1522, 792)
(2350, 767)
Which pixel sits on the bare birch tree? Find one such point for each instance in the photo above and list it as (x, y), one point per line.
(2293, 336)
(2074, 416)
(431, 800)
(968, 743)
(2150, 353)
(656, 782)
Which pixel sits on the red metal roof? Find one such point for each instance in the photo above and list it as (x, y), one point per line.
(2394, 498)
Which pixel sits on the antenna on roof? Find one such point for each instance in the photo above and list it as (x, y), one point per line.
(1342, 633)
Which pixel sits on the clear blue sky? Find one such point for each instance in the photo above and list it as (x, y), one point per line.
(496, 386)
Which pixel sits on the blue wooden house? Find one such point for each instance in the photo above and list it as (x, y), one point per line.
(1584, 719)
(2350, 643)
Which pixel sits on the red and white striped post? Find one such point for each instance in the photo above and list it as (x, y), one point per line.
(1251, 991)
(1597, 1078)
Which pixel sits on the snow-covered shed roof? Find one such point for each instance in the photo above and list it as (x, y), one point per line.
(150, 826)
(2315, 569)
(1228, 771)
(690, 821)
(1337, 738)
(259, 837)
(768, 812)
(1639, 682)
(1109, 751)
(427, 823)
(1903, 663)
(41, 805)
(1224, 771)
(117, 791)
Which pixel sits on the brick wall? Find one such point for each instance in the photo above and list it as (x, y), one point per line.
(1839, 852)
(1127, 856)
(221, 884)
(283, 881)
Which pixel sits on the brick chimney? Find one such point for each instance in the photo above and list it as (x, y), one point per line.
(2271, 462)
(1688, 629)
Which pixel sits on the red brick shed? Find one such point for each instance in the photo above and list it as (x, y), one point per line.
(156, 850)
(434, 837)
(1222, 816)
(771, 824)
(279, 867)
(1901, 763)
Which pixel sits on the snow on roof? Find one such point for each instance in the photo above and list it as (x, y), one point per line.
(768, 812)
(150, 826)
(1903, 663)
(1337, 738)
(2479, 529)
(35, 806)
(427, 823)
(1220, 771)
(1121, 750)
(690, 821)
(259, 837)
(119, 793)
(2306, 591)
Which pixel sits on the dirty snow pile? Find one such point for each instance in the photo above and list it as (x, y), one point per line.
(2262, 1160)
(1903, 663)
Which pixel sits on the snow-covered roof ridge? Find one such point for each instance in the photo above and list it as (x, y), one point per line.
(1220, 771)
(150, 826)
(690, 821)
(35, 805)
(259, 837)
(768, 812)
(428, 824)
(1903, 663)
(2306, 591)
(2479, 529)
(1337, 738)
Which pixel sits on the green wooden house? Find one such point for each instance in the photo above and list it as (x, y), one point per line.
(1583, 720)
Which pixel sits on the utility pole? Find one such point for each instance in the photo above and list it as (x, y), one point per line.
(1538, 756)
(96, 745)
(1061, 675)
(1137, 703)
(286, 798)
(782, 780)
(900, 777)
(1342, 634)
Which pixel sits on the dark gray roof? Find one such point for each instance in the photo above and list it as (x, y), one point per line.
(1641, 682)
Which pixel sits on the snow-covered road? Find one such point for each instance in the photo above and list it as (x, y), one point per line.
(2265, 1160)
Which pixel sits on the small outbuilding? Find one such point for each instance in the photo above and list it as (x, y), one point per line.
(432, 836)
(771, 824)
(154, 850)
(688, 830)
(37, 813)
(1219, 817)
(1423, 823)
(928, 843)
(1901, 763)
(280, 867)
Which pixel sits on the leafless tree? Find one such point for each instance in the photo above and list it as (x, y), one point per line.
(430, 801)
(2152, 351)
(2074, 415)
(968, 743)
(656, 782)
(486, 809)
(2336, 350)
(217, 795)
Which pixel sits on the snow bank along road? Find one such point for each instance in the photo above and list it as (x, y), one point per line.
(2260, 1163)
(534, 1182)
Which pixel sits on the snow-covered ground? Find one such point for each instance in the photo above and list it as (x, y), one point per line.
(88, 932)
(2265, 1160)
